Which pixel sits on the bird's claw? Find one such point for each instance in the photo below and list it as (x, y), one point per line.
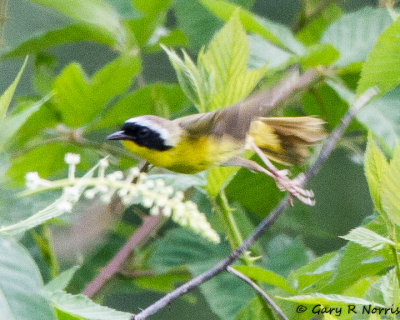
(294, 187)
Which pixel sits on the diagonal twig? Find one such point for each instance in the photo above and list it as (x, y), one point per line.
(260, 291)
(148, 226)
(267, 222)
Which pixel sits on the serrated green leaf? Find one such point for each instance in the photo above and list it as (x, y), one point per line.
(276, 33)
(226, 60)
(68, 34)
(61, 281)
(390, 288)
(114, 78)
(75, 94)
(381, 117)
(367, 238)
(354, 34)
(6, 97)
(72, 96)
(265, 276)
(94, 12)
(329, 299)
(382, 67)
(375, 165)
(194, 81)
(390, 188)
(368, 263)
(20, 285)
(13, 123)
(82, 306)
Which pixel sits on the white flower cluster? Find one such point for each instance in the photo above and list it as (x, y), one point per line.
(152, 194)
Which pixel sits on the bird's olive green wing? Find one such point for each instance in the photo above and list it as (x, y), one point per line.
(235, 120)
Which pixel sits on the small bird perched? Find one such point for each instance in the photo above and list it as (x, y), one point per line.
(198, 142)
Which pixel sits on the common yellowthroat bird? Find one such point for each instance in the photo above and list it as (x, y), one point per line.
(198, 142)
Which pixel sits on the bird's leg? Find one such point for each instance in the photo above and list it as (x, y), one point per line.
(294, 187)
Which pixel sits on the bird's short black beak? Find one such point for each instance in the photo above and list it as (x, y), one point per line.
(119, 135)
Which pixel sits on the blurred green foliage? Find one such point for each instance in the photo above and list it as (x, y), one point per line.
(94, 63)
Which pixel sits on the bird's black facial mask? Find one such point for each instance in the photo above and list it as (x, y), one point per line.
(141, 135)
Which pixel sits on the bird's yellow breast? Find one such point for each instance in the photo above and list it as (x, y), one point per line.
(190, 155)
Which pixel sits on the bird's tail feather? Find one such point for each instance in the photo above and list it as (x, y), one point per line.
(286, 139)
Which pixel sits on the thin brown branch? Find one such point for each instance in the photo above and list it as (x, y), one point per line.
(266, 223)
(149, 226)
(260, 291)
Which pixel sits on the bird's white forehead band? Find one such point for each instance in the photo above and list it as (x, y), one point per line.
(154, 126)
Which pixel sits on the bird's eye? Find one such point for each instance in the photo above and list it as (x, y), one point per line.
(143, 133)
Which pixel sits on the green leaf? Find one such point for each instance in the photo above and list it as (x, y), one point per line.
(81, 306)
(218, 178)
(381, 117)
(254, 310)
(265, 276)
(61, 281)
(275, 33)
(6, 97)
(52, 164)
(356, 262)
(224, 293)
(94, 12)
(367, 238)
(153, 14)
(312, 32)
(75, 94)
(354, 34)
(319, 54)
(197, 23)
(285, 254)
(194, 81)
(226, 59)
(263, 53)
(390, 188)
(375, 165)
(114, 78)
(163, 283)
(72, 96)
(20, 285)
(160, 98)
(13, 123)
(68, 34)
(53, 210)
(261, 192)
(390, 288)
(66, 316)
(315, 273)
(220, 78)
(325, 102)
(382, 67)
(329, 299)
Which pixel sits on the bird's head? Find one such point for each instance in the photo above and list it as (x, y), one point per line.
(148, 131)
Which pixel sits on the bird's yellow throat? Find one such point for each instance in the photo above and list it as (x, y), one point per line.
(190, 155)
